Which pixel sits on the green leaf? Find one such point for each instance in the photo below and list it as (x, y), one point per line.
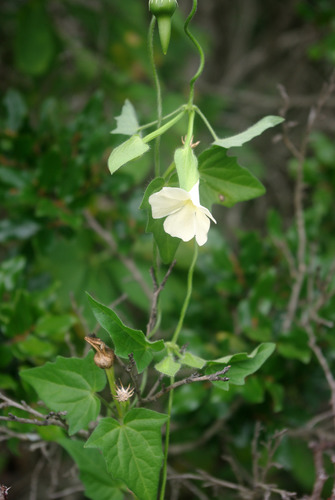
(192, 360)
(125, 339)
(167, 245)
(290, 351)
(224, 181)
(69, 385)
(242, 364)
(129, 150)
(98, 484)
(16, 109)
(295, 346)
(127, 123)
(132, 449)
(34, 43)
(168, 366)
(253, 131)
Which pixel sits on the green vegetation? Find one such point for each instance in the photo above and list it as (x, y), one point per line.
(82, 253)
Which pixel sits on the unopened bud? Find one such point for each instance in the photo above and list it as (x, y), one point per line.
(163, 10)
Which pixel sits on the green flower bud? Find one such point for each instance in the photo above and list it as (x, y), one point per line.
(163, 10)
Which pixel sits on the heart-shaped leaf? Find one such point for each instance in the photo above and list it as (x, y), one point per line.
(69, 385)
(132, 449)
(224, 181)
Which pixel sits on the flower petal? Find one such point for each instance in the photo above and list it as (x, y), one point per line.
(194, 194)
(167, 201)
(181, 224)
(201, 225)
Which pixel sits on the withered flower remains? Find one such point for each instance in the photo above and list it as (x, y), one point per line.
(104, 356)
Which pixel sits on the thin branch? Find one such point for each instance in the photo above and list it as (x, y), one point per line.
(213, 481)
(300, 155)
(196, 492)
(131, 369)
(255, 452)
(35, 479)
(33, 421)
(283, 247)
(190, 380)
(324, 365)
(155, 386)
(52, 418)
(111, 243)
(22, 436)
(157, 290)
(67, 492)
(320, 474)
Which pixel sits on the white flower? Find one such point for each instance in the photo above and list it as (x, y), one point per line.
(185, 217)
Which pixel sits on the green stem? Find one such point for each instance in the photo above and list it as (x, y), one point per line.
(158, 92)
(163, 128)
(169, 170)
(174, 340)
(167, 440)
(206, 122)
(151, 124)
(188, 295)
(189, 137)
(198, 46)
(111, 382)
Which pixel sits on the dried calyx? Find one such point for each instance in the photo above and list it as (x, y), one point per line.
(104, 356)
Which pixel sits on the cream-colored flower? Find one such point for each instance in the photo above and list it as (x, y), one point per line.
(185, 217)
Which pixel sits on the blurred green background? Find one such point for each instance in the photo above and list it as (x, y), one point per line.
(66, 68)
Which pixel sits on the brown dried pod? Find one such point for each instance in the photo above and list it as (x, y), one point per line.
(104, 356)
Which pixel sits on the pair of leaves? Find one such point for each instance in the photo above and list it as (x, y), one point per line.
(170, 366)
(242, 364)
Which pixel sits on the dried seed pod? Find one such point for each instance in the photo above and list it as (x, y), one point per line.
(104, 356)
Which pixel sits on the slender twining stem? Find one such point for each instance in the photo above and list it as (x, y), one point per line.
(158, 93)
(167, 440)
(189, 137)
(188, 295)
(198, 46)
(206, 122)
(174, 339)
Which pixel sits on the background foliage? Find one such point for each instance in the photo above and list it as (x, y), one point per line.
(67, 226)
